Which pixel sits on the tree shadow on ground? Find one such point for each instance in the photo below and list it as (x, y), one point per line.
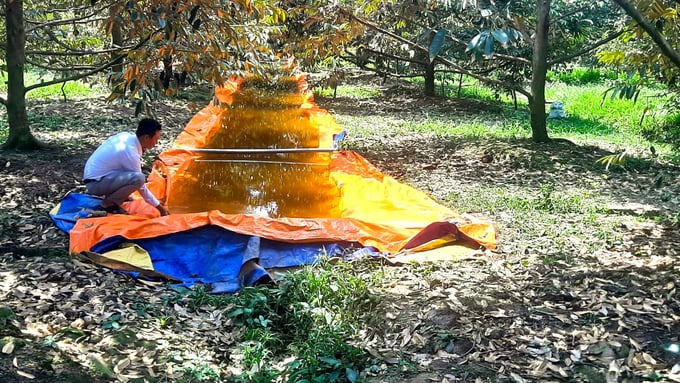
(521, 312)
(521, 163)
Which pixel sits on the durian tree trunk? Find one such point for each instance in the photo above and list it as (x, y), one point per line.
(429, 79)
(539, 130)
(20, 136)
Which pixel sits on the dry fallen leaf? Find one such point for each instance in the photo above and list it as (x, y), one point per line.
(8, 348)
(26, 374)
(122, 365)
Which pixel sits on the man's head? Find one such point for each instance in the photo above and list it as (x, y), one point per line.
(148, 132)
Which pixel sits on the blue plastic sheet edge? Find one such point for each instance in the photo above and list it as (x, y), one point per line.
(208, 255)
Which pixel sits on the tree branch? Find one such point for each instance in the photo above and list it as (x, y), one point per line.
(586, 50)
(447, 62)
(67, 47)
(60, 69)
(64, 22)
(40, 24)
(395, 57)
(645, 24)
(77, 52)
(111, 63)
(77, 76)
(74, 9)
(516, 59)
(381, 72)
(520, 60)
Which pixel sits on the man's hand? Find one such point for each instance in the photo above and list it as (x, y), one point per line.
(162, 210)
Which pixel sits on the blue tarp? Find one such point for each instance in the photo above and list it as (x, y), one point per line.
(209, 255)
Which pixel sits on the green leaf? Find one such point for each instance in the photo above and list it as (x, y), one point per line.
(500, 36)
(644, 113)
(615, 92)
(352, 374)
(513, 33)
(332, 377)
(488, 47)
(604, 95)
(637, 94)
(643, 71)
(330, 361)
(472, 45)
(437, 43)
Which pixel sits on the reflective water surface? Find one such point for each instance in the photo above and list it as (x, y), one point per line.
(273, 184)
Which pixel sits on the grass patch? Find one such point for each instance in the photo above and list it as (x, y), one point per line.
(588, 116)
(617, 122)
(545, 198)
(539, 213)
(583, 76)
(623, 123)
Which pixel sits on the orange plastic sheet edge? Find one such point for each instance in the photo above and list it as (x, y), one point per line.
(376, 210)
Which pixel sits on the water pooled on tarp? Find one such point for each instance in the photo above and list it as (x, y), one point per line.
(261, 115)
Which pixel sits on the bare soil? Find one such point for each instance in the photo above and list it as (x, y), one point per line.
(569, 295)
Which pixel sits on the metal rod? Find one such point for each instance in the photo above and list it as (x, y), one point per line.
(247, 151)
(265, 162)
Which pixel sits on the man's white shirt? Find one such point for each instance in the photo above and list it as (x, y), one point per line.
(120, 152)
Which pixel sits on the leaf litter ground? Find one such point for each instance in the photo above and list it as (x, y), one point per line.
(584, 286)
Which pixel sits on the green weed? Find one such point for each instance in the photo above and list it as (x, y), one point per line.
(7, 326)
(583, 76)
(100, 368)
(311, 317)
(200, 372)
(53, 122)
(196, 298)
(667, 131)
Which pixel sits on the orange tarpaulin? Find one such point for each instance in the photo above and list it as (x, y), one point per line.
(364, 205)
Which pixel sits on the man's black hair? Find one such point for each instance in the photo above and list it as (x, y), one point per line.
(148, 127)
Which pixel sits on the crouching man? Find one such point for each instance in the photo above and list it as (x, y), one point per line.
(114, 170)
